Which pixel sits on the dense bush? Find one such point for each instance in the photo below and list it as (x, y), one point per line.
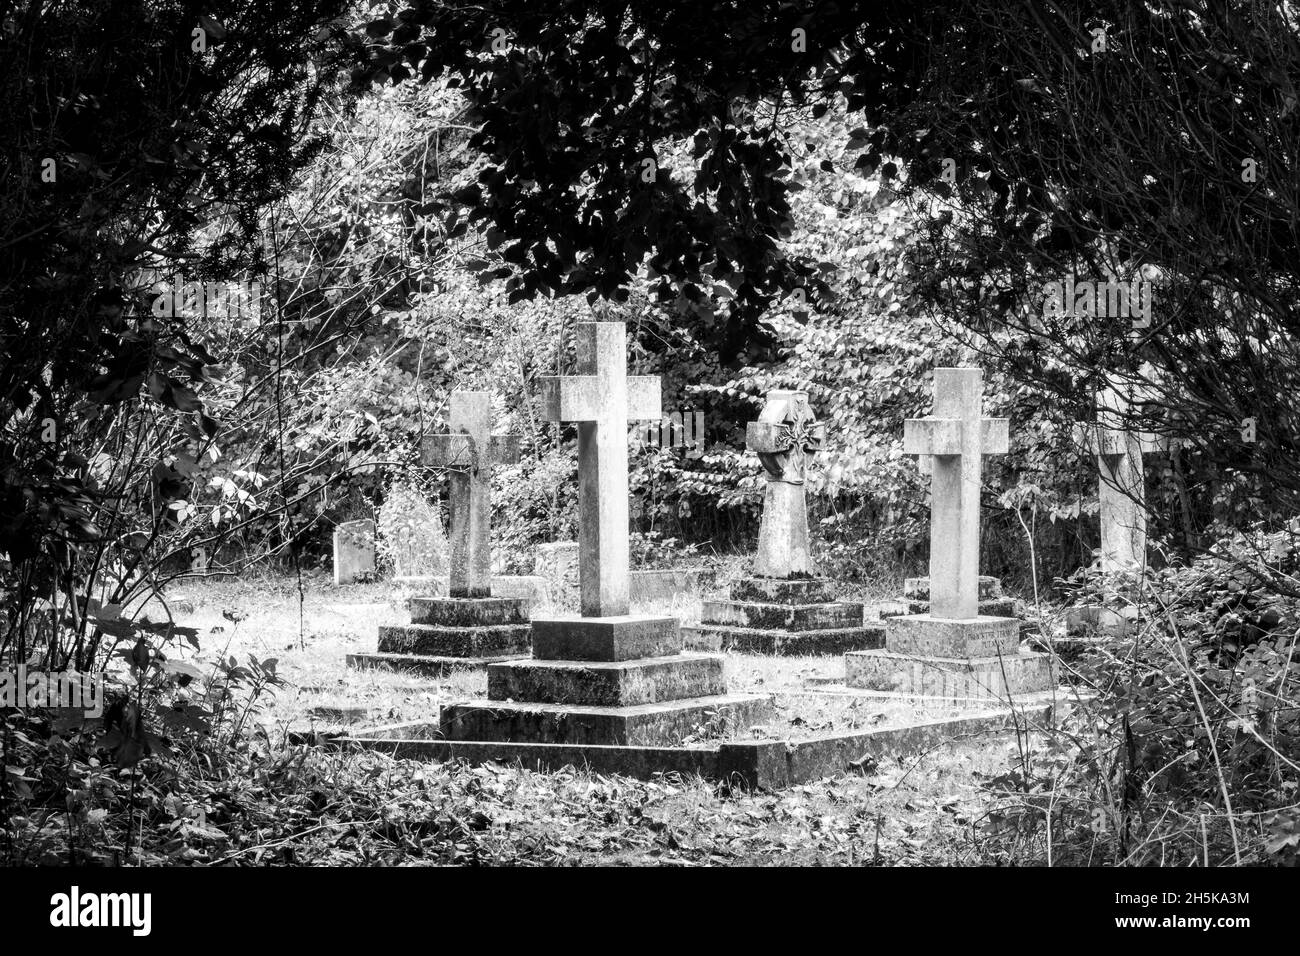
(1187, 749)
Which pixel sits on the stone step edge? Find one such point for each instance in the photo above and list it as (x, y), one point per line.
(768, 763)
(599, 710)
(548, 663)
(1021, 654)
(416, 662)
(459, 628)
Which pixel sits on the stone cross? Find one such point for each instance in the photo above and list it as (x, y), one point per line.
(1121, 485)
(601, 398)
(468, 452)
(785, 436)
(956, 437)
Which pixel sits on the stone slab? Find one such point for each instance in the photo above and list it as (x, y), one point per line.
(354, 551)
(757, 764)
(772, 765)
(647, 680)
(646, 725)
(424, 665)
(467, 612)
(993, 607)
(924, 636)
(783, 590)
(919, 588)
(625, 637)
(747, 640)
(998, 678)
(494, 640)
(790, 617)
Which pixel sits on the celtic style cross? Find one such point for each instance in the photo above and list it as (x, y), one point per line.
(785, 438)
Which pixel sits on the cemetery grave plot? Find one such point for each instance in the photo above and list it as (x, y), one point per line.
(323, 696)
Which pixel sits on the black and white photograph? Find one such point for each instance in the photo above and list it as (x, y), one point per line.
(519, 434)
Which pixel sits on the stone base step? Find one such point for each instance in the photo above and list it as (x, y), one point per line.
(787, 617)
(783, 590)
(918, 589)
(468, 612)
(508, 640)
(627, 637)
(748, 640)
(424, 665)
(923, 636)
(993, 607)
(1023, 672)
(645, 725)
(646, 680)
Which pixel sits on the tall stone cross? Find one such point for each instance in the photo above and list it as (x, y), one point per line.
(957, 438)
(468, 452)
(601, 398)
(785, 436)
(1121, 484)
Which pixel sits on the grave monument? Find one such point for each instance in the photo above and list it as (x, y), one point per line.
(604, 676)
(953, 651)
(784, 608)
(469, 628)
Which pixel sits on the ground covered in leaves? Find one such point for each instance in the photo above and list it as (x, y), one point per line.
(265, 797)
(306, 805)
(920, 812)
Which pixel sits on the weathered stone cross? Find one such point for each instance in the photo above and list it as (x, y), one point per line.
(601, 399)
(1121, 485)
(468, 452)
(957, 438)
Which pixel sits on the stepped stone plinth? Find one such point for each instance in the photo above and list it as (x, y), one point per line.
(953, 650)
(783, 616)
(615, 680)
(452, 633)
(978, 659)
(785, 608)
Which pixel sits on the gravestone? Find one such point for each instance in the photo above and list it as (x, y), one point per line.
(953, 651)
(606, 677)
(1121, 482)
(354, 551)
(784, 608)
(1121, 495)
(470, 628)
(992, 602)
